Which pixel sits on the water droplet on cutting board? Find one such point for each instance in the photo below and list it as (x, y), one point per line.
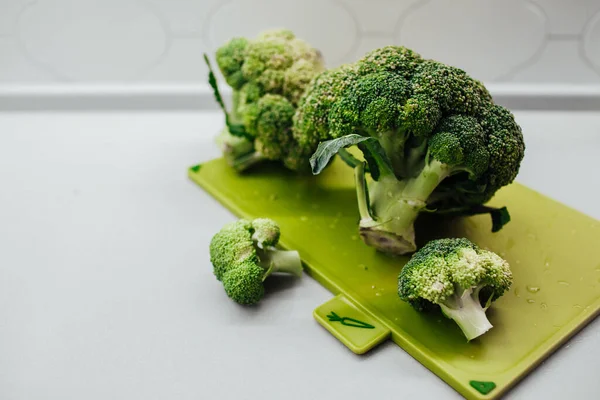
(577, 306)
(304, 218)
(363, 266)
(273, 197)
(564, 283)
(533, 289)
(517, 292)
(373, 287)
(354, 237)
(543, 306)
(379, 292)
(510, 243)
(530, 301)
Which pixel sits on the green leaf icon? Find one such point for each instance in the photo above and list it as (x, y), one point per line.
(483, 387)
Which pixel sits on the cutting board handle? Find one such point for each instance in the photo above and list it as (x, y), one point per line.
(352, 326)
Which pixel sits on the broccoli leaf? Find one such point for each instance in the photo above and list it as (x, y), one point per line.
(376, 158)
(348, 158)
(234, 129)
(372, 151)
(212, 81)
(329, 148)
(500, 216)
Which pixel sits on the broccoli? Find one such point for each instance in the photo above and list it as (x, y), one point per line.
(243, 255)
(459, 277)
(432, 138)
(268, 76)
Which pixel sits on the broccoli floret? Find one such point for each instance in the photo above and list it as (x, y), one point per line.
(460, 278)
(243, 255)
(268, 76)
(431, 135)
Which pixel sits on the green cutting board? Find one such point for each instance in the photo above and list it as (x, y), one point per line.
(554, 253)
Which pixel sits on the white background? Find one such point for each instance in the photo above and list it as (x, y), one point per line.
(105, 287)
(106, 290)
(162, 41)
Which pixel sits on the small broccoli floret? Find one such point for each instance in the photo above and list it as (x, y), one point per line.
(431, 136)
(268, 76)
(460, 278)
(243, 255)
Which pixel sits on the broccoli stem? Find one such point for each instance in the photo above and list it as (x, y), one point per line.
(467, 312)
(362, 193)
(395, 205)
(275, 260)
(414, 158)
(421, 187)
(245, 161)
(393, 144)
(234, 114)
(238, 151)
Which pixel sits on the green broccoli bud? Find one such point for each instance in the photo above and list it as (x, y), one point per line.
(460, 278)
(243, 255)
(244, 283)
(266, 232)
(230, 58)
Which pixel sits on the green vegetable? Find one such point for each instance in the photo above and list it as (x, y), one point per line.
(268, 76)
(243, 255)
(460, 278)
(431, 136)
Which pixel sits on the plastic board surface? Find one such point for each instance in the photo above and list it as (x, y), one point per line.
(553, 252)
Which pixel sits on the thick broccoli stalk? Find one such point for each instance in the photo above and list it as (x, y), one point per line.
(466, 310)
(243, 255)
(431, 136)
(460, 278)
(268, 76)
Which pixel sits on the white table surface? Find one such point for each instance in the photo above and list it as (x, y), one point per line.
(106, 291)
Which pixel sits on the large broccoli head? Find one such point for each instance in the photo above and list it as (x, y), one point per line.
(243, 255)
(268, 76)
(460, 278)
(436, 139)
